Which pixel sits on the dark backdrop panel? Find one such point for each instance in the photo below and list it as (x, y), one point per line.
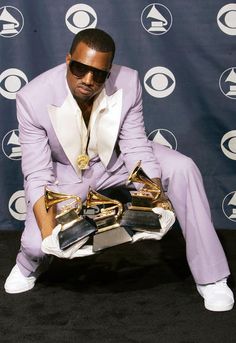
(185, 53)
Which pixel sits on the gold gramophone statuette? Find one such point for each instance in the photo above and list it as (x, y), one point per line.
(145, 197)
(74, 226)
(139, 215)
(109, 232)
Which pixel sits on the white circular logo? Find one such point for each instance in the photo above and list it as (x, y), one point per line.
(12, 80)
(229, 206)
(11, 146)
(80, 17)
(226, 19)
(11, 21)
(227, 83)
(17, 205)
(156, 19)
(159, 82)
(164, 137)
(228, 144)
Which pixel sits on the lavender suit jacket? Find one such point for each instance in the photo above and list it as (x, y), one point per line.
(41, 112)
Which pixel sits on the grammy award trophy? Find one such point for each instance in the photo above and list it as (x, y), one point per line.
(109, 232)
(139, 216)
(74, 227)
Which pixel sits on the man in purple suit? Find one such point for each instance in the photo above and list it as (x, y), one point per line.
(71, 119)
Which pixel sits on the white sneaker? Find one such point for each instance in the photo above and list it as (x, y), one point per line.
(17, 282)
(217, 296)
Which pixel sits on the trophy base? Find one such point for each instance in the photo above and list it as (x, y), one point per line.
(76, 232)
(110, 238)
(140, 220)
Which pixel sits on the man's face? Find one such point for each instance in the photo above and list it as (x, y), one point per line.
(84, 82)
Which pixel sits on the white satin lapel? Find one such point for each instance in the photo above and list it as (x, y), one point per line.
(108, 126)
(66, 125)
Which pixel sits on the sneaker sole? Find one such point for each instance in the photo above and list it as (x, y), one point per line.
(216, 308)
(219, 308)
(22, 290)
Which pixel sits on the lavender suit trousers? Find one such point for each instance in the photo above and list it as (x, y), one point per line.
(183, 184)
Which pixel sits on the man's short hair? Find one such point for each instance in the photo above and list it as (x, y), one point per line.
(96, 39)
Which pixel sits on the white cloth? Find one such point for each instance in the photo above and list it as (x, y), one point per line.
(167, 219)
(50, 245)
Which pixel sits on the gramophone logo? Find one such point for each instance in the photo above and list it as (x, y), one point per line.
(93, 210)
(80, 17)
(228, 144)
(11, 21)
(164, 137)
(226, 19)
(227, 83)
(229, 206)
(11, 81)
(156, 19)
(17, 205)
(11, 146)
(159, 82)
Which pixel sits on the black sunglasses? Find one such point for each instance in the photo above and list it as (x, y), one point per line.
(79, 70)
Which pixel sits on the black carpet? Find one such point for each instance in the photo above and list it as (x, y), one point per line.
(132, 293)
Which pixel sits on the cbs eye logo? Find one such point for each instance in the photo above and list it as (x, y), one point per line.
(227, 83)
(80, 17)
(229, 206)
(11, 80)
(156, 19)
(226, 19)
(228, 144)
(11, 21)
(17, 205)
(159, 82)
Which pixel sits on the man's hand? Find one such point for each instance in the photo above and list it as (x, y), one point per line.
(167, 219)
(50, 245)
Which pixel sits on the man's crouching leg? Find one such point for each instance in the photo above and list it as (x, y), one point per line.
(207, 261)
(30, 261)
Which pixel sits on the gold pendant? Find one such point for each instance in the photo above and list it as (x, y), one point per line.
(83, 161)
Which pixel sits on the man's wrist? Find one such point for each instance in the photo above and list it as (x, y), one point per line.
(47, 231)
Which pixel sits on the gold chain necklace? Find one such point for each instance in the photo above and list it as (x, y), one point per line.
(83, 159)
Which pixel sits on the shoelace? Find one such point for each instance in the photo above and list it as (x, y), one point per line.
(218, 287)
(222, 283)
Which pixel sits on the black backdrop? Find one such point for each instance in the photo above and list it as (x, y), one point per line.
(185, 53)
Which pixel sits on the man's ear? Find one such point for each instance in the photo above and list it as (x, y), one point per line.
(68, 58)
